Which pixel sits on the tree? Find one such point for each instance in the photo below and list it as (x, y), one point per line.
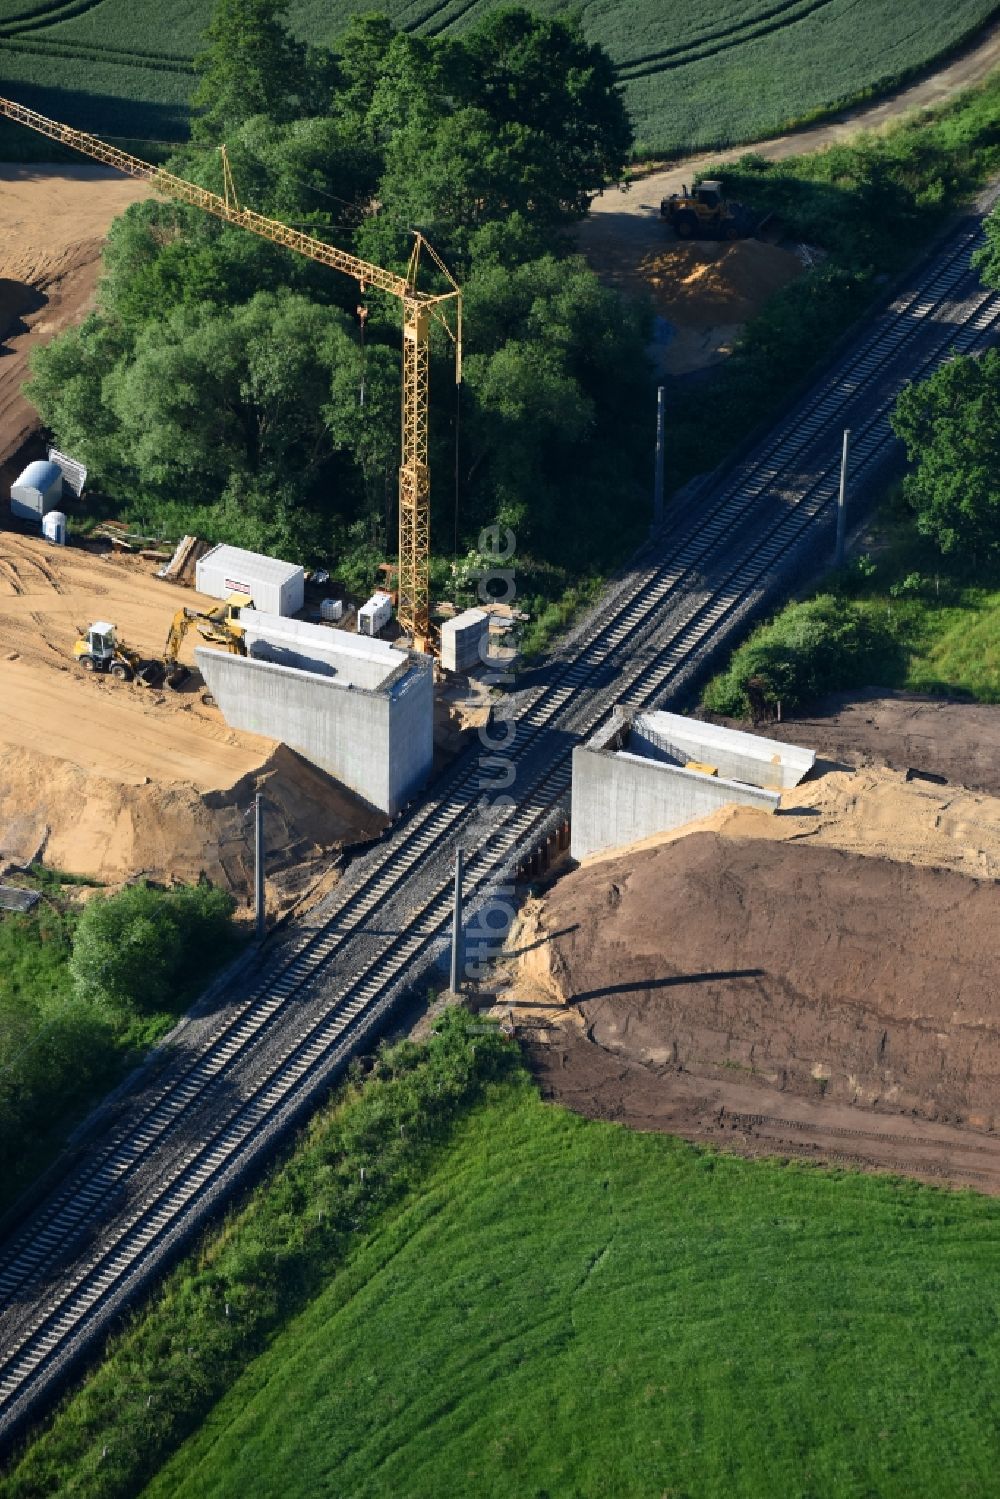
(552, 99)
(950, 424)
(556, 373)
(136, 950)
(252, 413)
(251, 65)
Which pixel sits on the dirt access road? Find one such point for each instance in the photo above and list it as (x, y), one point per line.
(705, 291)
(54, 221)
(622, 221)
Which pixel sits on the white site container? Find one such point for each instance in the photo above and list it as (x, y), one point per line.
(331, 609)
(464, 640)
(375, 615)
(275, 587)
(36, 491)
(54, 528)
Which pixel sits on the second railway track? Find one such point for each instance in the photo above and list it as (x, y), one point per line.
(243, 1080)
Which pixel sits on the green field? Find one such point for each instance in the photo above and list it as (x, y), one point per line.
(711, 73)
(569, 1308)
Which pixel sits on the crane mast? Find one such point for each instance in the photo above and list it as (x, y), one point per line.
(419, 310)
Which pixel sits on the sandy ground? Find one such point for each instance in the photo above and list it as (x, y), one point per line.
(111, 779)
(835, 997)
(54, 220)
(904, 732)
(625, 239)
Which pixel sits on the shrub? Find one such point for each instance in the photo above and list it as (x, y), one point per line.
(138, 948)
(811, 648)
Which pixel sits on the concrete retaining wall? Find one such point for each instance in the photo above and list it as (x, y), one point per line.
(744, 757)
(378, 742)
(621, 798)
(318, 648)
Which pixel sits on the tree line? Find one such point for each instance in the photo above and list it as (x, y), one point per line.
(229, 387)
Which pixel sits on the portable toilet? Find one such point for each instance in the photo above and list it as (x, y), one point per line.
(38, 490)
(54, 528)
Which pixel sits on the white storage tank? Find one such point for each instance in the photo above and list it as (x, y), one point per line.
(36, 491)
(275, 587)
(54, 528)
(331, 609)
(464, 640)
(375, 615)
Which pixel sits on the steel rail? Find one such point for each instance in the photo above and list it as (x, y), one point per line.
(437, 820)
(100, 1282)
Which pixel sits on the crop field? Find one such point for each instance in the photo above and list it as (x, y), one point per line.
(711, 73)
(566, 1307)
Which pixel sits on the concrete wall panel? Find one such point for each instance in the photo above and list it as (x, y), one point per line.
(745, 757)
(622, 798)
(378, 743)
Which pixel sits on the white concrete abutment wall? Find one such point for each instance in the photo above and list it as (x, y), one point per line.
(378, 741)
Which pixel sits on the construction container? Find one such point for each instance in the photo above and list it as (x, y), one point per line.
(54, 528)
(375, 615)
(275, 587)
(38, 490)
(331, 609)
(464, 640)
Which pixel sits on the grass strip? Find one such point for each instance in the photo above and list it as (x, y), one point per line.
(222, 1306)
(566, 1307)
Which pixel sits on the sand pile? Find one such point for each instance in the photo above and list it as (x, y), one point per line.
(702, 283)
(90, 824)
(873, 811)
(778, 998)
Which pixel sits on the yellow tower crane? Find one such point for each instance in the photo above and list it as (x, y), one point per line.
(419, 308)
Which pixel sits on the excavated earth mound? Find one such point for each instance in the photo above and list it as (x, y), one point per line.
(114, 780)
(112, 829)
(777, 998)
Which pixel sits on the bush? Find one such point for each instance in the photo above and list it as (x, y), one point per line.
(137, 949)
(811, 648)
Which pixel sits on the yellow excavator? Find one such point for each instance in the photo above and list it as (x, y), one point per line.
(221, 626)
(99, 649)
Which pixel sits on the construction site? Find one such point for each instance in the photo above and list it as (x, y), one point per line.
(156, 752)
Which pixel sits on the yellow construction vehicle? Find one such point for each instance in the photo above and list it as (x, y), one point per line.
(706, 213)
(99, 650)
(221, 626)
(419, 309)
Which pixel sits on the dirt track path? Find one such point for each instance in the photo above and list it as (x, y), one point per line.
(621, 223)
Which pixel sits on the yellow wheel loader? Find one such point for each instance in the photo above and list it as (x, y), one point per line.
(99, 650)
(705, 213)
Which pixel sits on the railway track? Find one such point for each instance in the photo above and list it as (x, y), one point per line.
(239, 1081)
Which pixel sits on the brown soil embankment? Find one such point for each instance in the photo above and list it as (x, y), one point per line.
(54, 223)
(820, 983)
(113, 780)
(777, 998)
